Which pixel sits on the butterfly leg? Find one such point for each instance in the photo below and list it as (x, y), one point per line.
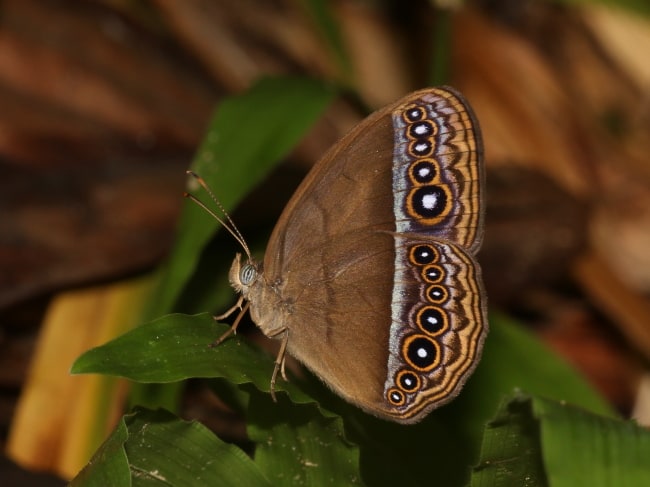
(233, 328)
(279, 362)
(230, 311)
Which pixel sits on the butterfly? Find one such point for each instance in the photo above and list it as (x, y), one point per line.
(370, 277)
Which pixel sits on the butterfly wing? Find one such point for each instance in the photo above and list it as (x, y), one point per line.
(375, 244)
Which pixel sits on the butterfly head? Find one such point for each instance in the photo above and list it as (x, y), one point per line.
(242, 277)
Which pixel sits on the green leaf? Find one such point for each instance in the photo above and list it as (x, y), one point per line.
(248, 135)
(584, 449)
(166, 451)
(511, 453)
(515, 359)
(535, 441)
(321, 14)
(297, 445)
(109, 465)
(177, 347)
(157, 449)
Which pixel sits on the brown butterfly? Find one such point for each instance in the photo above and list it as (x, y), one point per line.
(369, 277)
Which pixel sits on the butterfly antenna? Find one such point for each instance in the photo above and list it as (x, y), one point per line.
(228, 224)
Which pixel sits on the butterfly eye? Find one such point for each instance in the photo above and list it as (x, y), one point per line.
(396, 397)
(437, 294)
(432, 320)
(423, 254)
(421, 148)
(421, 129)
(424, 171)
(247, 274)
(408, 381)
(432, 273)
(429, 201)
(421, 352)
(413, 114)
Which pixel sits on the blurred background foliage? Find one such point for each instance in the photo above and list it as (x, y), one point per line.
(106, 103)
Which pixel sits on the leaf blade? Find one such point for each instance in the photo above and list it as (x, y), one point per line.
(278, 111)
